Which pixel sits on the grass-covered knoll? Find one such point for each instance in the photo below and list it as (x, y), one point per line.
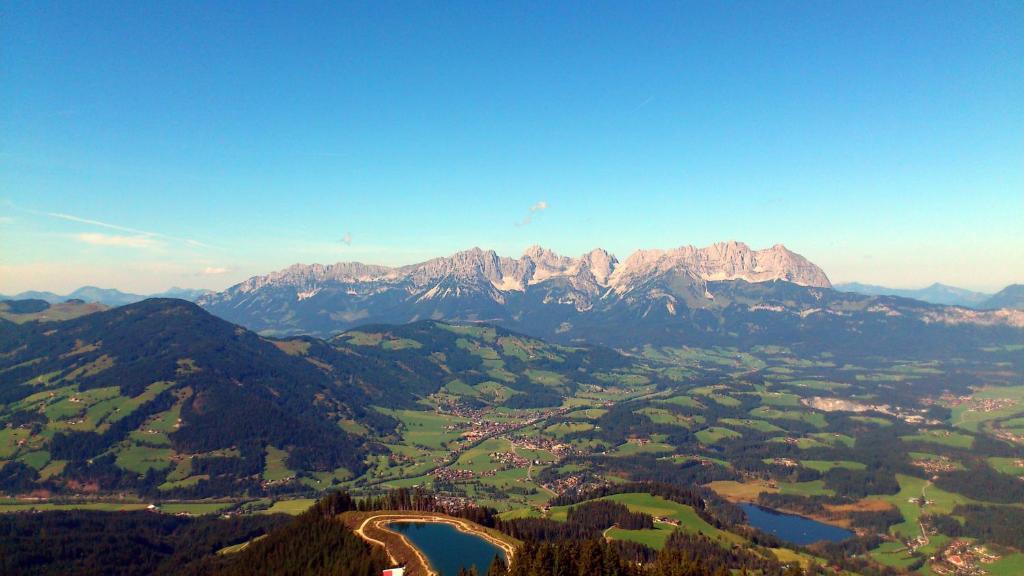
(815, 419)
(826, 465)
(941, 437)
(908, 503)
(686, 401)
(716, 434)
(641, 447)
(759, 425)
(658, 507)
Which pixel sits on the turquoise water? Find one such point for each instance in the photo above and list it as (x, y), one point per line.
(793, 528)
(446, 548)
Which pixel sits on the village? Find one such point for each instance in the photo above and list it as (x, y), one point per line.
(963, 558)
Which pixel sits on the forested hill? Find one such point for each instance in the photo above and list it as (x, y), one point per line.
(161, 391)
(478, 363)
(163, 399)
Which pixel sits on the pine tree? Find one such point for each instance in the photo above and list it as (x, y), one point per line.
(498, 567)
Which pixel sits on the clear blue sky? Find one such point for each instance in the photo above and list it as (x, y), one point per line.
(147, 144)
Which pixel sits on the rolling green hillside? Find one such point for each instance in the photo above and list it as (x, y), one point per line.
(160, 397)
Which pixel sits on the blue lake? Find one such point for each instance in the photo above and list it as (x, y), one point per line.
(792, 528)
(446, 548)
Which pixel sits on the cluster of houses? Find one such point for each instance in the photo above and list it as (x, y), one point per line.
(963, 558)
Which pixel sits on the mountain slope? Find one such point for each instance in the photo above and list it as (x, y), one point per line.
(725, 294)
(480, 285)
(163, 392)
(160, 398)
(1011, 297)
(935, 294)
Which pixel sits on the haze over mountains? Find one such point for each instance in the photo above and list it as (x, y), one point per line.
(107, 296)
(936, 293)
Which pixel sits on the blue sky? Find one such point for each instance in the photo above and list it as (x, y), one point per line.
(144, 144)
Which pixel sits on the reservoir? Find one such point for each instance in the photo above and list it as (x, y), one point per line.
(447, 549)
(793, 528)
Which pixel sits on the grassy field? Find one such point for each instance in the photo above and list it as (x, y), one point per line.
(815, 419)
(911, 487)
(275, 468)
(759, 425)
(633, 448)
(740, 491)
(942, 437)
(683, 401)
(716, 434)
(562, 428)
(812, 488)
(194, 508)
(292, 507)
(426, 428)
(967, 417)
(1008, 565)
(826, 465)
(8, 506)
(1012, 466)
(140, 459)
(893, 554)
(477, 458)
(657, 507)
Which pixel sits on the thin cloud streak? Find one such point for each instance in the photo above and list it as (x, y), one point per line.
(97, 239)
(109, 226)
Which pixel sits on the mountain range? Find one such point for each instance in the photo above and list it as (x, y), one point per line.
(723, 294)
(107, 296)
(936, 293)
(1010, 297)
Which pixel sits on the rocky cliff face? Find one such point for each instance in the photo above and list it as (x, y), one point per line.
(591, 272)
(719, 291)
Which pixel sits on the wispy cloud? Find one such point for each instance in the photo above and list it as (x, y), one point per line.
(101, 224)
(535, 210)
(213, 271)
(80, 220)
(347, 239)
(97, 239)
(6, 220)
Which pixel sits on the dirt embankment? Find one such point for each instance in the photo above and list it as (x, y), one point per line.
(372, 527)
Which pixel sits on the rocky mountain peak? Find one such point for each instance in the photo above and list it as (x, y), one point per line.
(721, 261)
(600, 263)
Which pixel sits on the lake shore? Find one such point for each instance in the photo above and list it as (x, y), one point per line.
(747, 493)
(372, 527)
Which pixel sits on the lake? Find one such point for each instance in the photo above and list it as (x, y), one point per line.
(793, 528)
(446, 548)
